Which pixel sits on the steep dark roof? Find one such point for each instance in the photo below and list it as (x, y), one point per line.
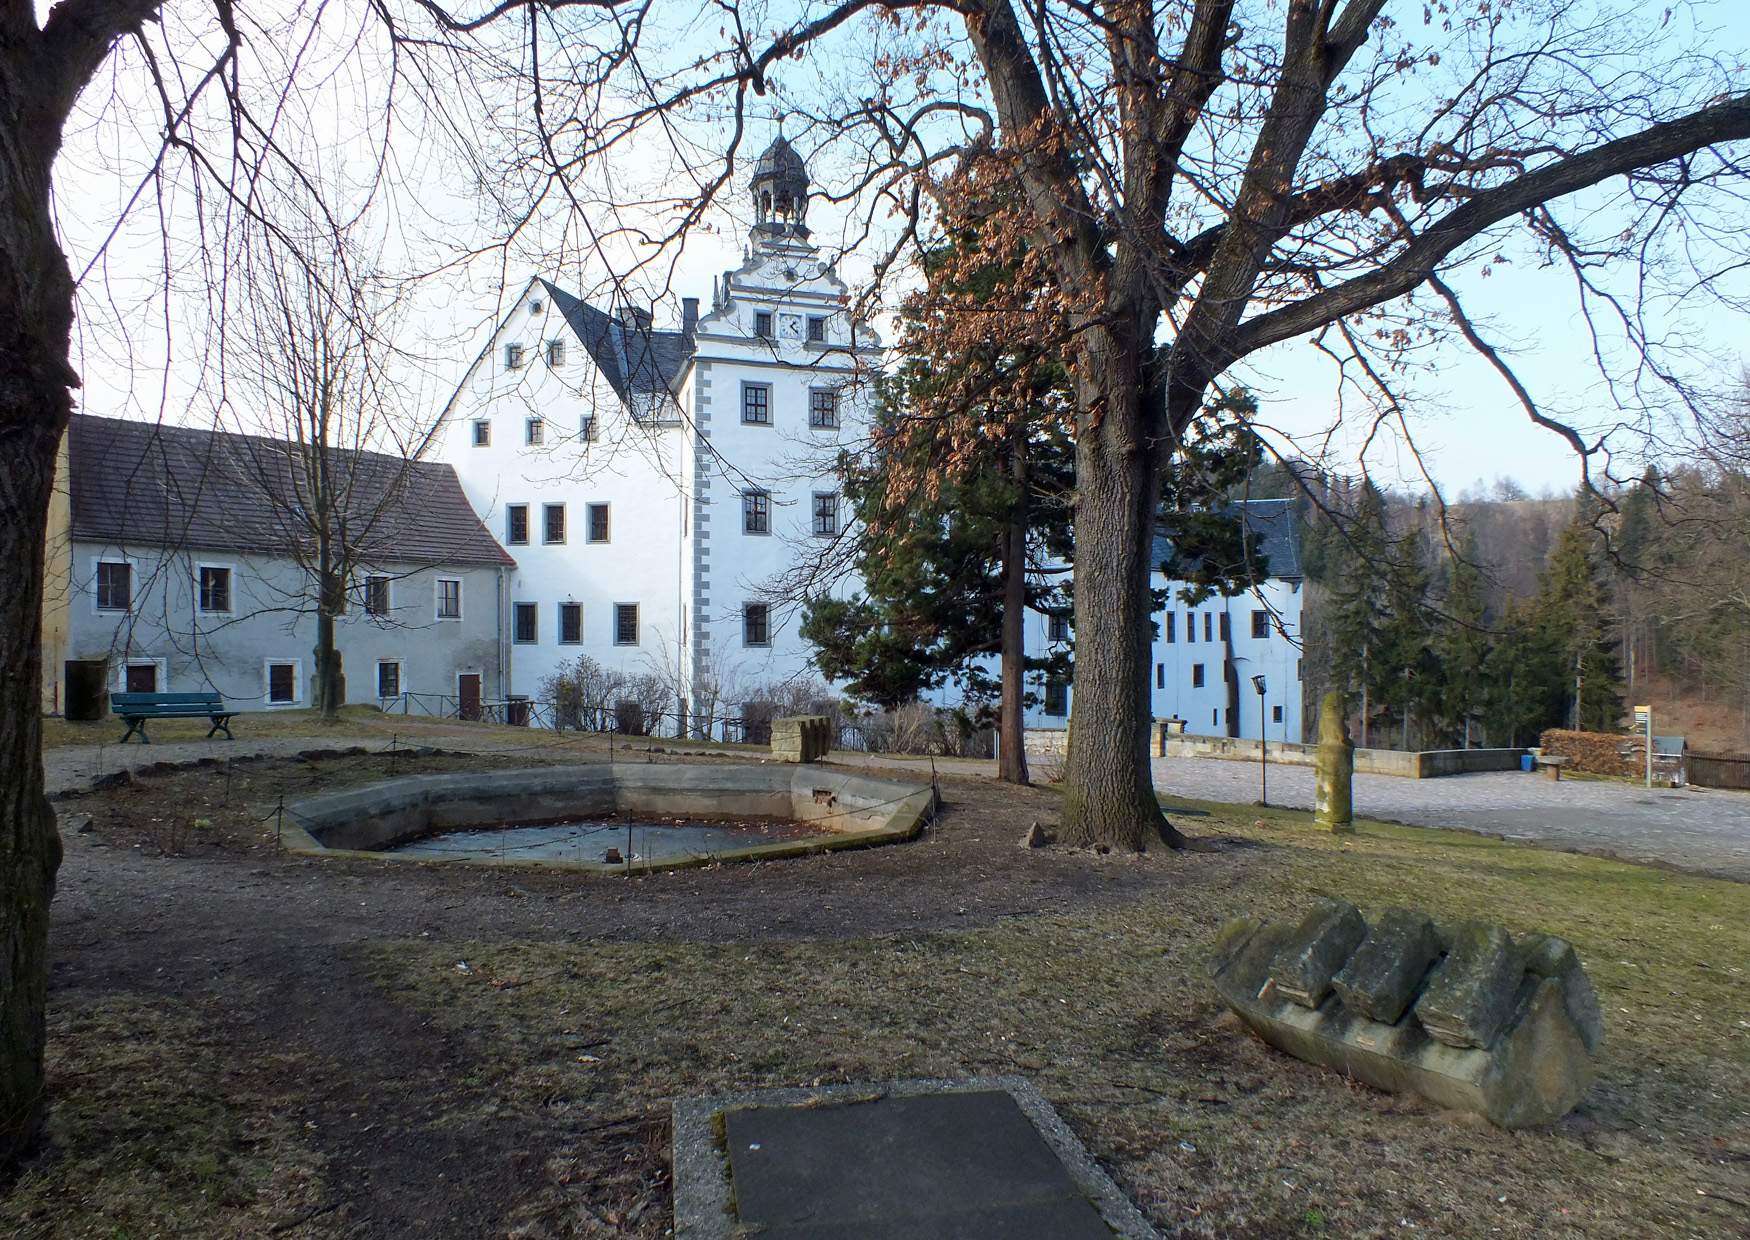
(635, 360)
(780, 160)
(146, 484)
(1272, 523)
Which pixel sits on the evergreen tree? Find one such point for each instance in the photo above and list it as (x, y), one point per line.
(1408, 673)
(1354, 563)
(1572, 612)
(1462, 647)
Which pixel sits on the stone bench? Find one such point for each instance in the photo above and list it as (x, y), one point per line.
(1552, 767)
(801, 738)
(1468, 1016)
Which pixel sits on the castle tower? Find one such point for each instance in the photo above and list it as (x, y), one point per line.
(780, 193)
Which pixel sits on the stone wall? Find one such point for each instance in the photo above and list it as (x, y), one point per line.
(1406, 764)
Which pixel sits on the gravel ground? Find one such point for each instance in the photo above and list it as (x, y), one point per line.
(1692, 828)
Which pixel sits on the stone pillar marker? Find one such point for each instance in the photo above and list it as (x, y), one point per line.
(1333, 797)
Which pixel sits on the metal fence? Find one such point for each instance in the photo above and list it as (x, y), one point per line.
(1719, 770)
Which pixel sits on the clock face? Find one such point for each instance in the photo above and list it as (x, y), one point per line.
(790, 326)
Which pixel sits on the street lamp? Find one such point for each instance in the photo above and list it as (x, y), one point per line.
(1263, 745)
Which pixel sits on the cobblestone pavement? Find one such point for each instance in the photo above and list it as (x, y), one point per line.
(1692, 828)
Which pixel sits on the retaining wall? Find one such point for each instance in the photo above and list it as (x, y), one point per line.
(1406, 764)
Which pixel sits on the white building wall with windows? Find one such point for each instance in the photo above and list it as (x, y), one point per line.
(713, 445)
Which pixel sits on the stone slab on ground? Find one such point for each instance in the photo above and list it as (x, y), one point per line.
(978, 1159)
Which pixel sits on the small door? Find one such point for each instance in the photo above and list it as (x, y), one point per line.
(142, 678)
(468, 693)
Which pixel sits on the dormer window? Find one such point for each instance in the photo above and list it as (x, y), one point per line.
(762, 324)
(513, 357)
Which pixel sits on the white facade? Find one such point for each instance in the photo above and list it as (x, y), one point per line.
(710, 447)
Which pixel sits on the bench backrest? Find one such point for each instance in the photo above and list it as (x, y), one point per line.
(149, 701)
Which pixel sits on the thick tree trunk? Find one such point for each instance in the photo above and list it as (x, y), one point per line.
(1109, 795)
(36, 317)
(1012, 727)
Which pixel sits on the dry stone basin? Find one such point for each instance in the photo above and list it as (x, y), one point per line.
(817, 810)
(1466, 1015)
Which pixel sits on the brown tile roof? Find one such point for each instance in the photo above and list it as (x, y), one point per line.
(149, 484)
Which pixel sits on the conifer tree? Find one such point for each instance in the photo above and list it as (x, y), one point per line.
(1355, 578)
(1572, 611)
(1462, 647)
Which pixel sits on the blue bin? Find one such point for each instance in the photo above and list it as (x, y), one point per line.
(1527, 762)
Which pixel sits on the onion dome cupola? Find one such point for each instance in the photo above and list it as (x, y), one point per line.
(780, 192)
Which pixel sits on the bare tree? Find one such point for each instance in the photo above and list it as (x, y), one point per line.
(310, 364)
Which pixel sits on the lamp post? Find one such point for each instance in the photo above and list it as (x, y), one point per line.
(1263, 745)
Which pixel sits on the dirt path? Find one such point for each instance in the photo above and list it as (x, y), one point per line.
(276, 949)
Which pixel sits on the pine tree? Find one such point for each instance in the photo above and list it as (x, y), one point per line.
(1462, 647)
(1572, 610)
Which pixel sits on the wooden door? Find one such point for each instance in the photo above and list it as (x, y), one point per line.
(468, 694)
(142, 678)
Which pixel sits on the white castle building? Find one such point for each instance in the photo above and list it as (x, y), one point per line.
(655, 484)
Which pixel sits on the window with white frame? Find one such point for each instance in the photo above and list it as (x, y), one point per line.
(534, 432)
(376, 596)
(449, 598)
(762, 324)
(817, 329)
(586, 428)
(513, 356)
(553, 523)
(555, 353)
(756, 512)
(1260, 624)
(823, 408)
(482, 433)
(215, 588)
(826, 513)
(282, 678)
(516, 524)
(388, 678)
(756, 628)
(598, 523)
(115, 585)
(1056, 698)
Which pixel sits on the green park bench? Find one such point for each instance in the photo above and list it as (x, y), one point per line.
(135, 709)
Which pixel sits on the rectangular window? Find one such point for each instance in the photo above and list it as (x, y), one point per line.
(524, 624)
(449, 598)
(282, 683)
(1056, 698)
(570, 624)
(625, 624)
(482, 434)
(516, 524)
(115, 585)
(1207, 624)
(1058, 627)
(1260, 624)
(586, 430)
(513, 356)
(1190, 626)
(388, 679)
(552, 523)
(555, 353)
(376, 596)
(817, 329)
(598, 523)
(1226, 628)
(823, 407)
(1160, 675)
(762, 324)
(756, 625)
(1197, 675)
(756, 512)
(1275, 714)
(534, 432)
(756, 404)
(826, 513)
(215, 588)
(1169, 633)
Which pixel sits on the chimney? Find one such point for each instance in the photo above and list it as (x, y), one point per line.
(689, 315)
(636, 318)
